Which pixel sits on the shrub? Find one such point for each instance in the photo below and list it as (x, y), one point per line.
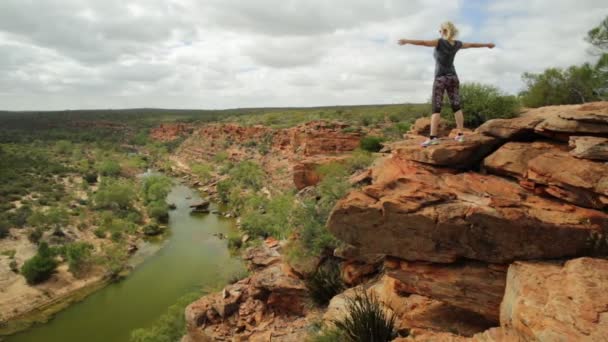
(170, 327)
(152, 229)
(360, 159)
(78, 256)
(159, 211)
(116, 236)
(235, 241)
(155, 188)
(115, 194)
(202, 171)
(40, 267)
(13, 266)
(91, 177)
(109, 167)
(366, 320)
(268, 217)
(4, 229)
(35, 235)
(325, 283)
(100, 233)
(371, 143)
(482, 102)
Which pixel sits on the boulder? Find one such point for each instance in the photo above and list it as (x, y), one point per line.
(578, 181)
(441, 217)
(561, 122)
(548, 169)
(594, 148)
(473, 286)
(512, 158)
(551, 301)
(448, 153)
(355, 273)
(415, 311)
(422, 127)
(521, 128)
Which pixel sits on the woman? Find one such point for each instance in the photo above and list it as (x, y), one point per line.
(446, 78)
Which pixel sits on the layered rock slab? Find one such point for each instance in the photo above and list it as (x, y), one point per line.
(548, 301)
(448, 152)
(474, 286)
(413, 213)
(547, 168)
(593, 148)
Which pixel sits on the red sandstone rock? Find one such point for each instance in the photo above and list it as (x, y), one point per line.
(547, 301)
(170, 131)
(354, 273)
(448, 153)
(548, 169)
(589, 147)
(473, 286)
(442, 217)
(306, 173)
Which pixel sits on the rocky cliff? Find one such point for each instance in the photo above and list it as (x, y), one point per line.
(289, 155)
(510, 227)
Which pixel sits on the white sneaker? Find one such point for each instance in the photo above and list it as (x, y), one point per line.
(428, 142)
(459, 138)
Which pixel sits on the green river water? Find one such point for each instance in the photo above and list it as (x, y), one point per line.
(191, 258)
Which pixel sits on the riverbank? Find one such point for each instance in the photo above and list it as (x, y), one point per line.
(192, 258)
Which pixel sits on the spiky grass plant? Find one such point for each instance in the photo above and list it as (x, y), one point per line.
(366, 320)
(325, 283)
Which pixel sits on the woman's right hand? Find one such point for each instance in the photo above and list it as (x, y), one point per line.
(491, 45)
(402, 41)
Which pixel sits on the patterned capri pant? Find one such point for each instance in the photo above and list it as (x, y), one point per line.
(449, 84)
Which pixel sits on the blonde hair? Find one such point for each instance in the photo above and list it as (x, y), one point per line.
(450, 30)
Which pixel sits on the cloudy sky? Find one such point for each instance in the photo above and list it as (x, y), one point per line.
(71, 54)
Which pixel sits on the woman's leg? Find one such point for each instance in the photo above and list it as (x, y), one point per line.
(453, 90)
(438, 89)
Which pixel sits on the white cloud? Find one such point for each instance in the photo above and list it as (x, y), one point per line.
(57, 54)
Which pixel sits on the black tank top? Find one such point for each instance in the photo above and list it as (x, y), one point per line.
(444, 57)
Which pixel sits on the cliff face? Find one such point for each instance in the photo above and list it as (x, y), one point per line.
(289, 155)
(511, 225)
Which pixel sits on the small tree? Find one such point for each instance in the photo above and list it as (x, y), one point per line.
(78, 256)
(40, 267)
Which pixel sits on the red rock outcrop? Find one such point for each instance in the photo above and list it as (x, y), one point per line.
(473, 286)
(170, 131)
(272, 304)
(558, 122)
(579, 181)
(306, 173)
(415, 214)
(593, 148)
(450, 232)
(548, 301)
(449, 152)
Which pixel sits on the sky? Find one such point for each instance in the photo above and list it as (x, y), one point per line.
(212, 54)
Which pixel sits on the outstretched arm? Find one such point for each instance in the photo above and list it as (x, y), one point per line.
(477, 45)
(429, 43)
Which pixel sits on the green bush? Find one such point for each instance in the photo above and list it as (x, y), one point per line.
(170, 327)
(35, 235)
(159, 211)
(91, 177)
(268, 217)
(40, 267)
(78, 256)
(152, 230)
(155, 188)
(481, 103)
(109, 167)
(366, 320)
(203, 171)
(371, 143)
(115, 194)
(325, 283)
(4, 229)
(100, 233)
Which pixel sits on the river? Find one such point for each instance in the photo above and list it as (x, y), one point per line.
(191, 258)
